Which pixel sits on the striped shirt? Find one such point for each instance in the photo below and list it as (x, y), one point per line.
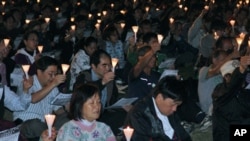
(41, 108)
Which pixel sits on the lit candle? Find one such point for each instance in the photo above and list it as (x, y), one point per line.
(50, 120)
(3, 3)
(171, 20)
(104, 13)
(112, 5)
(38, 1)
(99, 14)
(26, 69)
(232, 22)
(206, 7)
(27, 21)
(122, 11)
(180, 6)
(185, 9)
(47, 20)
(40, 49)
(122, 25)
(65, 67)
(216, 36)
(147, 9)
(114, 63)
(135, 29)
(128, 133)
(99, 20)
(6, 42)
(160, 37)
(78, 3)
(90, 16)
(73, 27)
(72, 19)
(247, 1)
(57, 9)
(97, 26)
(248, 43)
(239, 41)
(179, 1)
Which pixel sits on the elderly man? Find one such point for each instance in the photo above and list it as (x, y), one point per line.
(154, 119)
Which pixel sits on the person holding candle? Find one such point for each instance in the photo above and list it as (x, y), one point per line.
(154, 118)
(85, 109)
(100, 73)
(28, 54)
(43, 90)
(81, 60)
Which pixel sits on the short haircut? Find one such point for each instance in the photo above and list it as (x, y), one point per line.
(80, 95)
(90, 40)
(97, 55)
(108, 31)
(27, 34)
(44, 62)
(170, 87)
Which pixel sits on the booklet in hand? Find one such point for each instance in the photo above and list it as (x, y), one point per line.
(123, 102)
(61, 99)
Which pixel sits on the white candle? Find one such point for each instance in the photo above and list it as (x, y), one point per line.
(6, 42)
(99, 21)
(160, 37)
(27, 21)
(122, 11)
(72, 19)
(232, 22)
(47, 20)
(40, 49)
(128, 133)
(185, 9)
(38, 1)
(114, 63)
(26, 69)
(3, 3)
(73, 27)
(248, 43)
(65, 67)
(206, 7)
(122, 25)
(90, 16)
(104, 13)
(99, 14)
(57, 9)
(171, 20)
(216, 36)
(97, 26)
(50, 120)
(135, 29)
(239, 41)
(147, 9)
(112, 5)
(180, 6)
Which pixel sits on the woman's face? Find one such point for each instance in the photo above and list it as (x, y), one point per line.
(91, 108)
(91, 48)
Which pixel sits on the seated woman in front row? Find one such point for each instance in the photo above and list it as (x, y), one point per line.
(85, 108)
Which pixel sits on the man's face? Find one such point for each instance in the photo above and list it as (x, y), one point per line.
(166, 106)
(32, 42)
(103, 67)
(47, 76)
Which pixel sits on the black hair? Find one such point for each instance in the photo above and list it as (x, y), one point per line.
(44, 62)
(27, 34)
(170, 87)
(108, 31)
(143, 50)
(97, 55)
(80, 95)
(148, 36)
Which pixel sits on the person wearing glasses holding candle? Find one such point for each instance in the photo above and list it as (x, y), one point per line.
(85, 109)
(154, 118)
(28, 54)
(43, 90)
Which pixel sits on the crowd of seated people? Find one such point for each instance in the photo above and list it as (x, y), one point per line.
(204, 42)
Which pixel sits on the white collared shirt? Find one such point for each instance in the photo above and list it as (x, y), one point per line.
(168, 130)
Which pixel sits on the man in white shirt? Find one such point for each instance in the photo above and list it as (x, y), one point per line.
(43, 91)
